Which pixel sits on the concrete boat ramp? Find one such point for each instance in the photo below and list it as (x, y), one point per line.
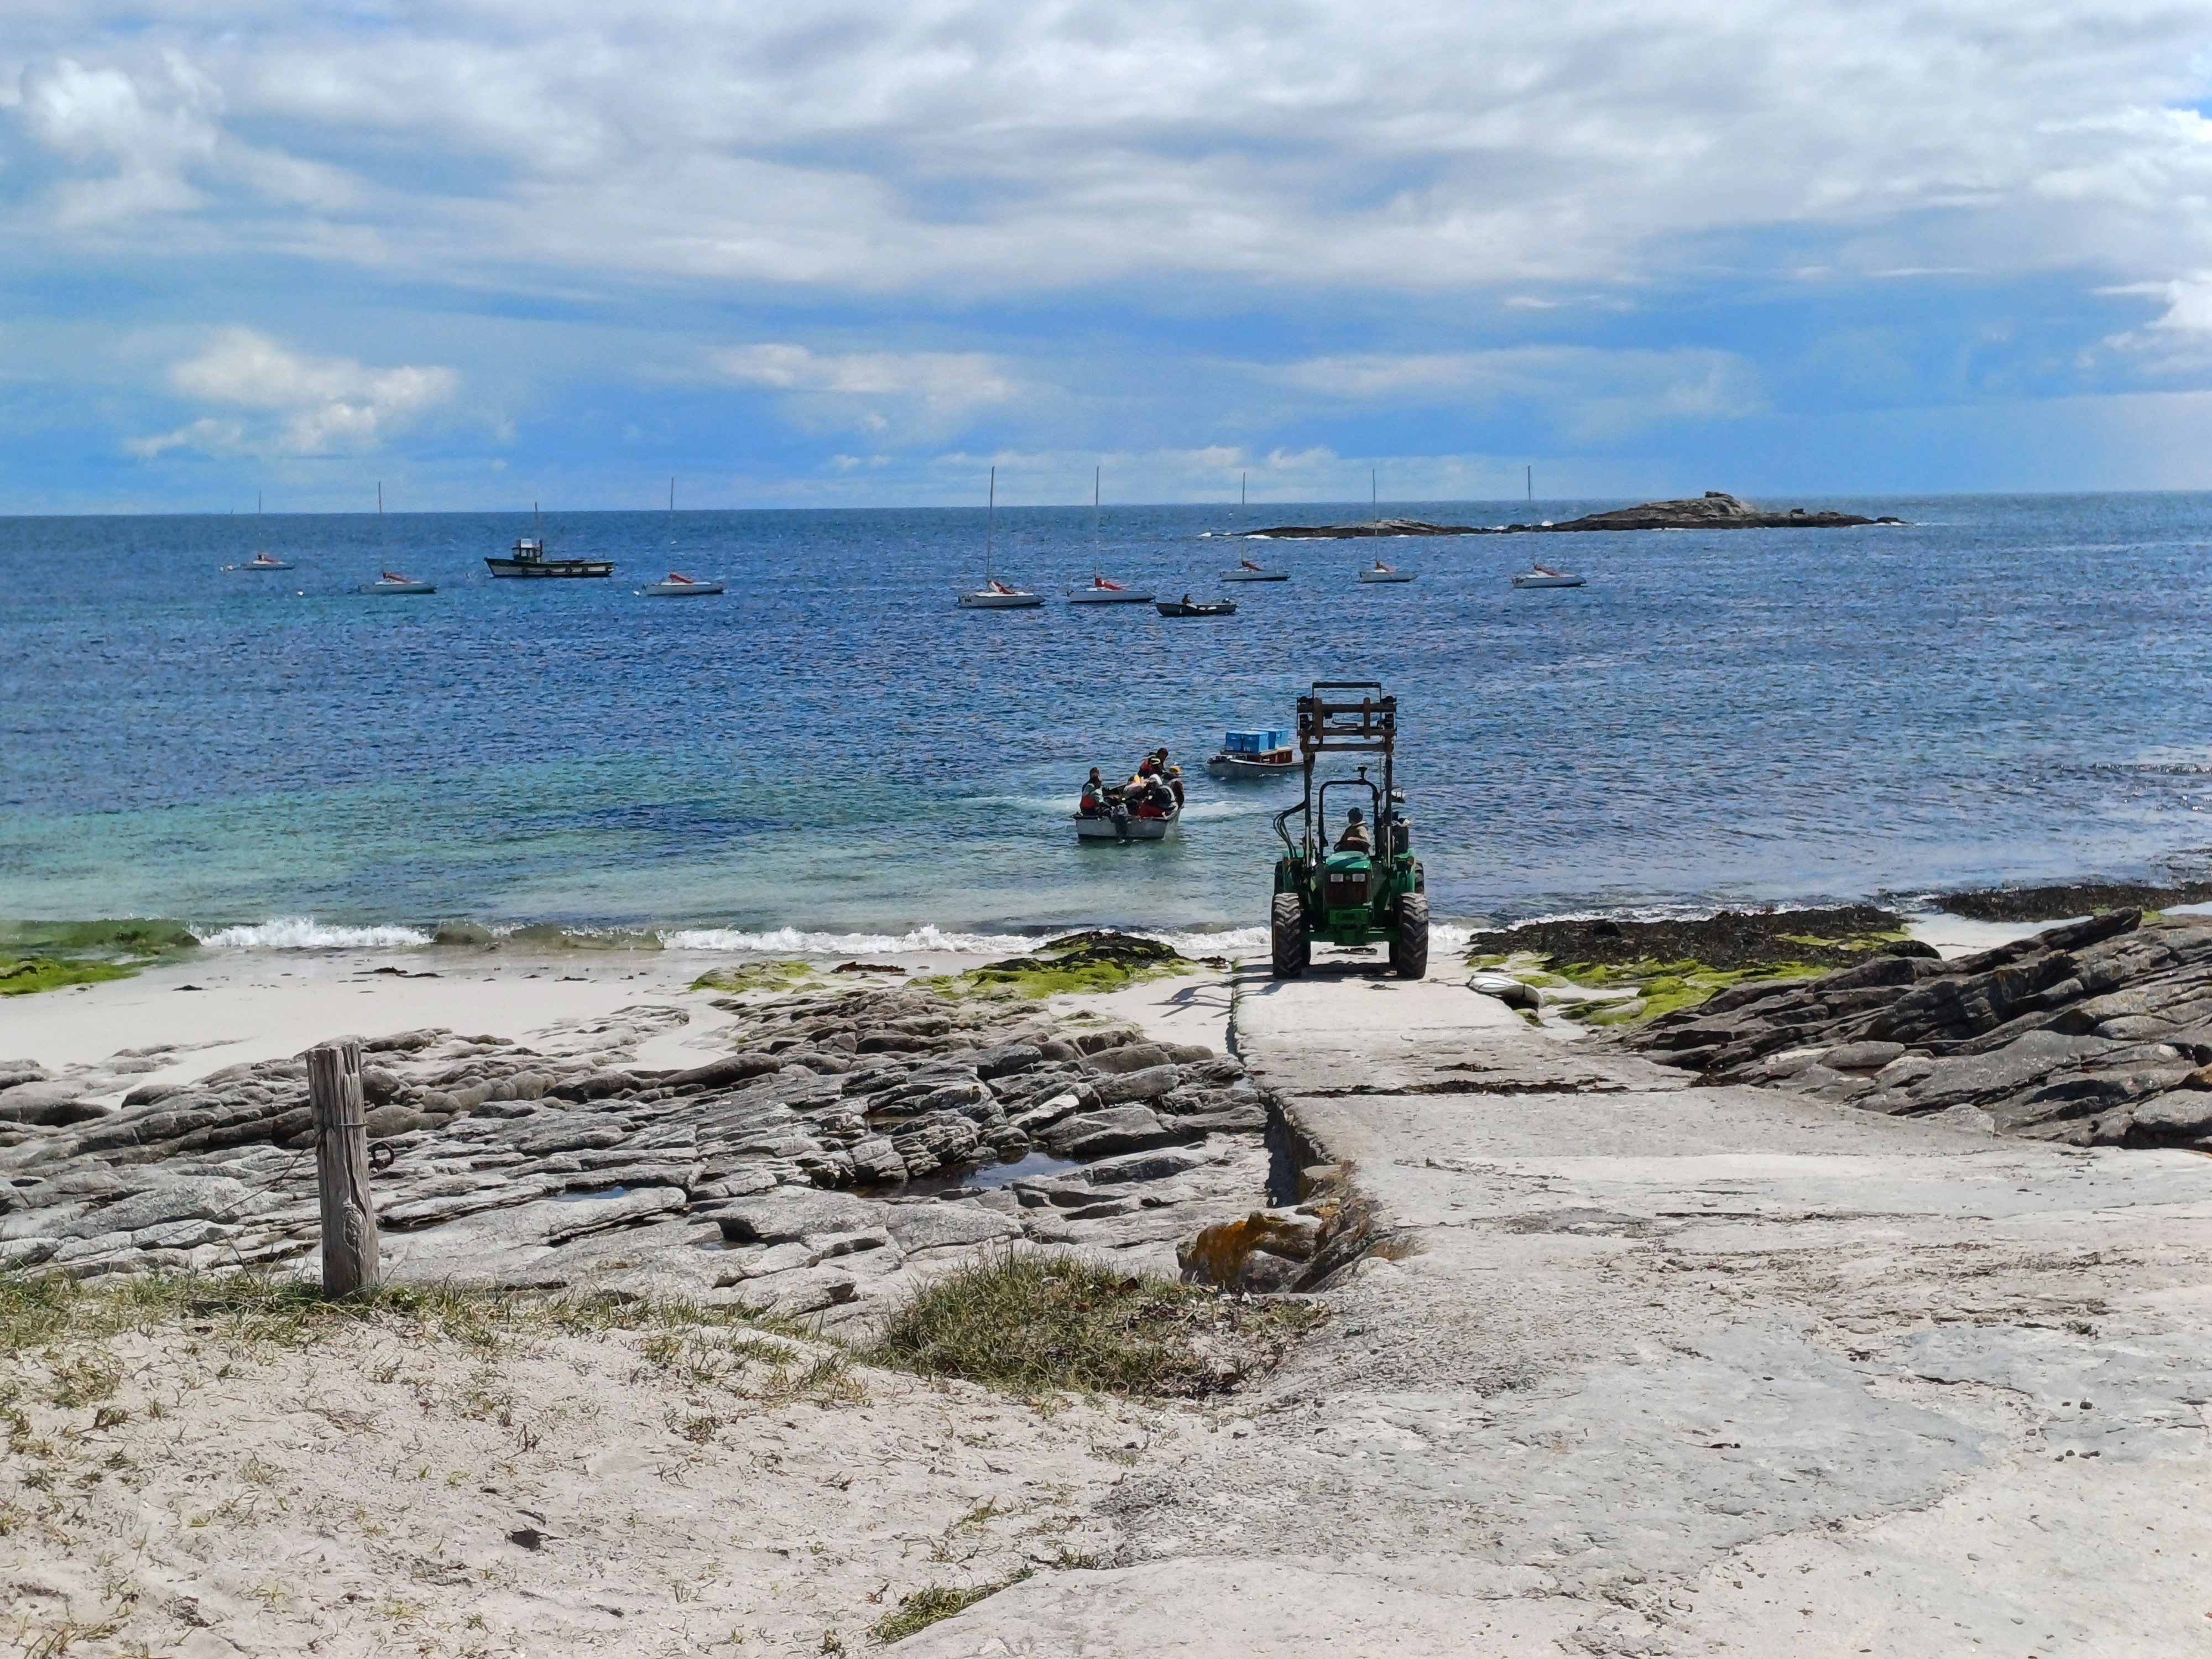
(1671, 1369)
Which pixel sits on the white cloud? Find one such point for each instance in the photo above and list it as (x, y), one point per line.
(923, 391)
(309, 406)
(1602, 391)
(876, 144)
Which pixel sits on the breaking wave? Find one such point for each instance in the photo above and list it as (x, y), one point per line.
(305, 933)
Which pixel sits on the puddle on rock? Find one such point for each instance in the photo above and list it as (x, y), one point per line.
(586, 1198)
(986, 1178)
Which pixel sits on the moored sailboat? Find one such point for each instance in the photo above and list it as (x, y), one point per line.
(994, 595)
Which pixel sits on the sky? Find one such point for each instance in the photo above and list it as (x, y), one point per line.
(858, 251)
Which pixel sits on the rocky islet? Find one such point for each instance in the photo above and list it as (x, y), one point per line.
(1714, 510)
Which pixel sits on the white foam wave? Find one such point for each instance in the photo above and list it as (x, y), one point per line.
(794, 941)
(305, 933)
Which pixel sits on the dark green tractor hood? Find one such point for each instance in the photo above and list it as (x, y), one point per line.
(1346, 863)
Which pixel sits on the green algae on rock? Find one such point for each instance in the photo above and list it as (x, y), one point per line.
(1670, 964)
(1074, 964)
(791, 975)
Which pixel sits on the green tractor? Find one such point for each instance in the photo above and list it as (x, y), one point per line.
(1370, 887)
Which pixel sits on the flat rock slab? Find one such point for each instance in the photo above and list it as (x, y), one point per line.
(1664, 1369)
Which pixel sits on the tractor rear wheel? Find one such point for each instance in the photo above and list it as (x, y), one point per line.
(1287, 934)
(1409, 951)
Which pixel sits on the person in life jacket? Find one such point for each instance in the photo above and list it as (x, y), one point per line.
(1174, 782)
(1094, 794)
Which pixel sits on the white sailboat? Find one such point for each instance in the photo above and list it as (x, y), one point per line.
(1380, 572)
(1247, 571)
(263, 560)
(678, 585)
(393, 582)
(1099, 591)
(995, 595)
(1541, 575)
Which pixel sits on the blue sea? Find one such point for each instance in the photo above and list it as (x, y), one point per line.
(831, 755)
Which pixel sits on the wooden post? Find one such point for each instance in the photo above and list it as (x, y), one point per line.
(334, 1097)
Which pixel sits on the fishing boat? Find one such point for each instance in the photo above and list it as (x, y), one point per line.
(393, 582)
(679, 587)
(1261, 754)
(993, 595)
(1538, 575)
(1246, 571)
(1380, 572)
(1099, 591)
(1185, 607)
(1121, 822)
(528, 560)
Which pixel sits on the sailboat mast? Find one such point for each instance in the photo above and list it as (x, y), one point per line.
(990, 518)
(1532, 482)
(1096, 472)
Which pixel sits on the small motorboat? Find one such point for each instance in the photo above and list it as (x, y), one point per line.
(1246, 571)
(260, 562)
(1119, 822)
(680, 586)
(1265, 754)
(1380, 572)
(1185, 607)
(1101, 592)
(995, 595)
(1540, 575)
(393, 582)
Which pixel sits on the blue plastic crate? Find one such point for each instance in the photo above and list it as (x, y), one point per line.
(1246, 743)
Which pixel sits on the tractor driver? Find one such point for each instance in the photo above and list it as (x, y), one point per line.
(1354, 838)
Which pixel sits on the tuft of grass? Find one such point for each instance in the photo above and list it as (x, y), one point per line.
(926, 1605)
(1031, 1323)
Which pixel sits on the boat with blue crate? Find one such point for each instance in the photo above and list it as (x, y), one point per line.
(1261, 754)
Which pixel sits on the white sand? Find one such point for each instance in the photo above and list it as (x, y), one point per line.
(265, 1005)
(380, 1492)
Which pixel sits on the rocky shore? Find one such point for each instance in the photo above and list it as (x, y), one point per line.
(2098, 1033)
(856, 1138)
(1714, 510)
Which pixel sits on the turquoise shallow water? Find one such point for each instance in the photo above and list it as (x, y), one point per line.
(2010, 687)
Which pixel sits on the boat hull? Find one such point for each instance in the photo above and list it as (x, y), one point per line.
(987, 601)
(679, 590)
(1226, 765)
(1130, 828)
(1255, 575)
(552, 569)
(1386, 575)
(1102, 596)
(397, 587)
(1175, 608)
(1547, 581)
